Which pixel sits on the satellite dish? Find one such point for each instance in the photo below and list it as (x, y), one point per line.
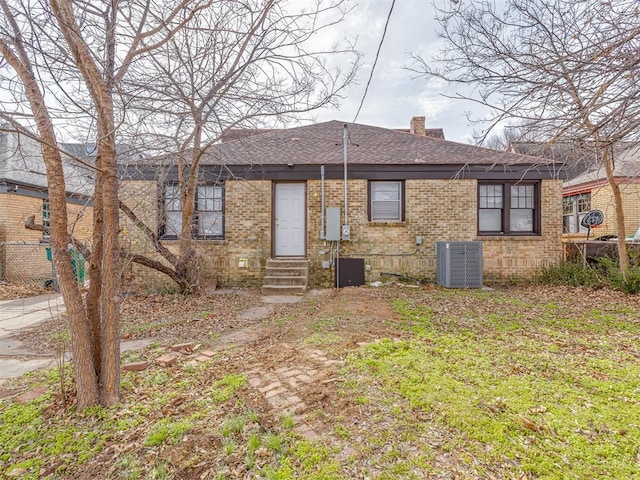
(593, 217)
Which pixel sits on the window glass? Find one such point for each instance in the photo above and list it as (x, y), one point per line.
(210, 210)
(490, 196)
(210, 224)
(574, 208)
(208, 215)
(521, 220)
(567, 205)
(584, 203)
(568, 225)
(490, 220)
(386, 201)
(173, 223)
(173, 211)
(522, 196)
(209, 198)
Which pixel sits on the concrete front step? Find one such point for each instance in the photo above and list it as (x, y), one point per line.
(287, 263)
(283, 290)
(286, 276)
(286, 271)
(285, 280)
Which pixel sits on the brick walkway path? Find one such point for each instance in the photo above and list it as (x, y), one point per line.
(281, 387)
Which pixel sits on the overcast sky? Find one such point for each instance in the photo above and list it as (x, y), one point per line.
(394, 95)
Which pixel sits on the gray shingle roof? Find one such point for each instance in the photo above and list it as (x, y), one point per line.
(627, 164)
(321, 143)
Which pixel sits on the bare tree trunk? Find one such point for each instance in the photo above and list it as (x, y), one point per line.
(186, 253)
(95, 269)
(100, 86)
(607, 160)
(110, 298)
(87, 387)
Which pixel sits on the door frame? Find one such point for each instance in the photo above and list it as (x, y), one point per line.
(273, 217)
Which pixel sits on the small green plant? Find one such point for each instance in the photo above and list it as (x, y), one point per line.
(320, 338)
(254, 442)
(315, 457)
(157, 378)
(226, 388)
(233, 425)
(324, 324)
(272, 442)
(190, 368)
(287, 421)
(129, 465)
(631, 285)
(229, 446)
(159, 472)
(166, 431)
(341, 431)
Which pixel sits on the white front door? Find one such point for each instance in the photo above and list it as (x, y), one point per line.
(290, 225)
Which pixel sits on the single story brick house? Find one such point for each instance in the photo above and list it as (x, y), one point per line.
(23, 193)
(276, 194)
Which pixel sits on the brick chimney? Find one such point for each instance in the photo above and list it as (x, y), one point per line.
(417, 126)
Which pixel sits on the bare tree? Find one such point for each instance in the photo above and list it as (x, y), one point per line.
(180, 73)
(569, 68)
(239, 64)
(64, 58)
(16, 51)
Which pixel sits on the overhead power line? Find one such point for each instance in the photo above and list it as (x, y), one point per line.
(384, 33)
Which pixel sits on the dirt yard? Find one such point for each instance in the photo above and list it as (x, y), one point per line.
(290, 358)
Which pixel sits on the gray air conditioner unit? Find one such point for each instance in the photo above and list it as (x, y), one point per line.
(459, 264)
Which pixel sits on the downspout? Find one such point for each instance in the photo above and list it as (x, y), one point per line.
(344, 149)
(322, 202)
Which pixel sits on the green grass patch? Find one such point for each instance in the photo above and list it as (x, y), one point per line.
(166, 431)
(26, 430)
(510, 399)
(225, 388)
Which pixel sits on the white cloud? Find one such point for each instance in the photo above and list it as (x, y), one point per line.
(394, 95)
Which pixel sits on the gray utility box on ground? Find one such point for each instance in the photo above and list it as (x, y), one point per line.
(459, 264)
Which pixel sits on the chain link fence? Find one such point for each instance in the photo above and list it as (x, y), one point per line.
(25, 263)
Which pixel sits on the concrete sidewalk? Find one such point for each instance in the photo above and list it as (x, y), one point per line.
(26, 312)
(16, 315)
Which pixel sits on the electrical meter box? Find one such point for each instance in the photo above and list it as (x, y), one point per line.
(333, 224)
(346, 232)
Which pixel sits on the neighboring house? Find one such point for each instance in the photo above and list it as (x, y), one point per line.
(261, 197)
(591, 191)
(586, 187)
(23, 193)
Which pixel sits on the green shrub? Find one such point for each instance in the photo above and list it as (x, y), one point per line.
(572, 274)
(611, 267)
(632, 283)
(605, 272)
